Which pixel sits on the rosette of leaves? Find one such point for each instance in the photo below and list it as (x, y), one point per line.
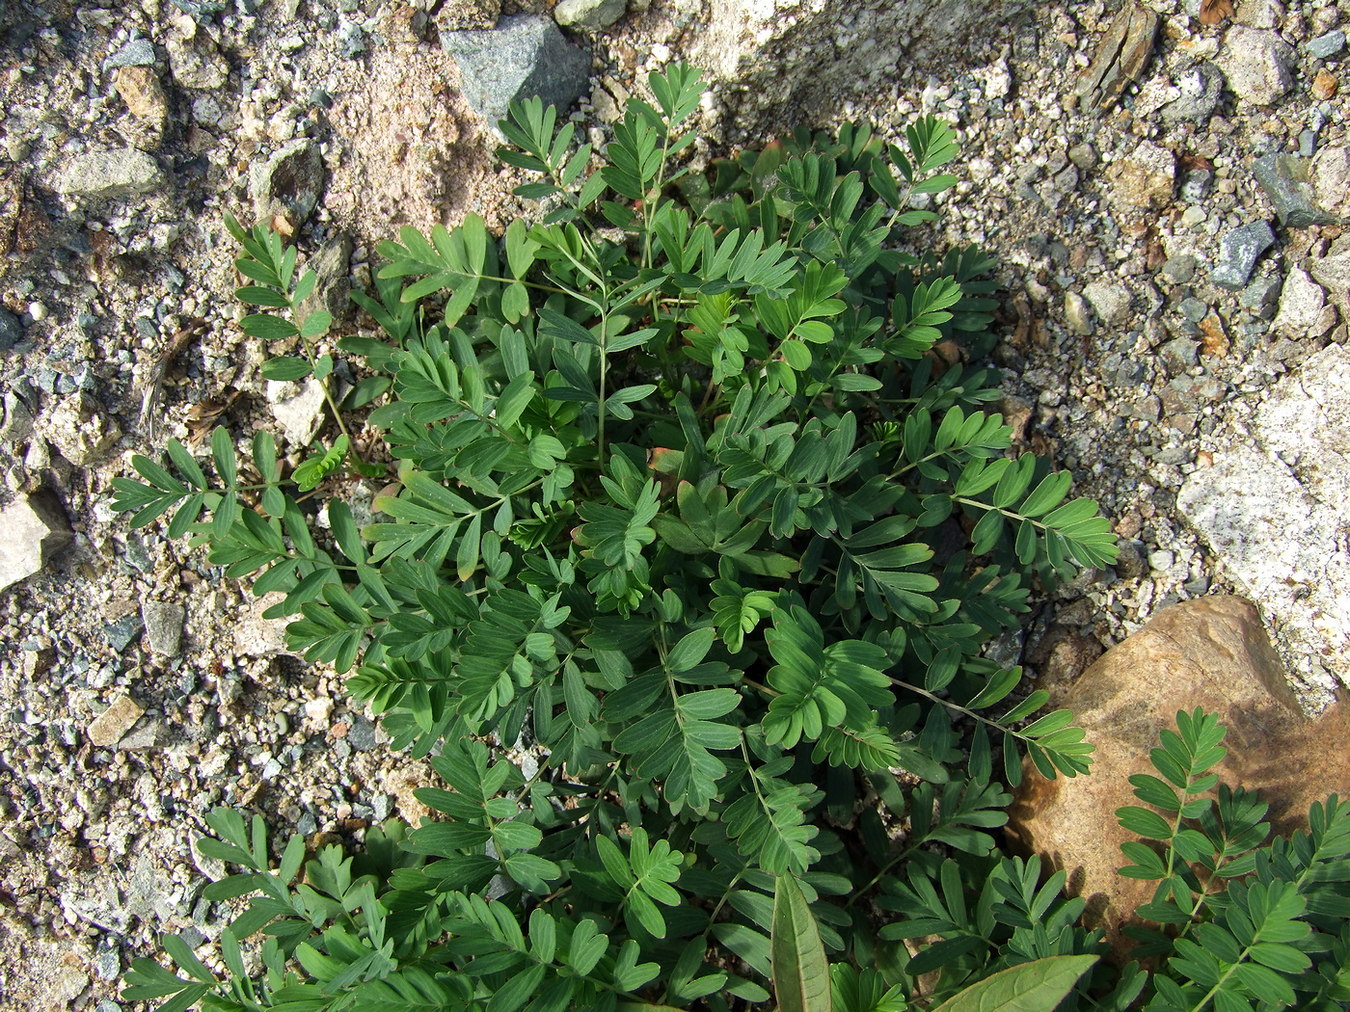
(682, 500)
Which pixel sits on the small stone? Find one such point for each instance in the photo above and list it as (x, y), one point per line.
(589, 14)
(522, 57)
(194, 60)
(34, 530)
(123, 632)
(164, 626)
(319, 710)
(1332, 271)
(109, 174)
(107, 964)
(1179, 268)
(80, 429)
(1238, 252)
(1196, 185)
(1324, 47)
(1192, 309)
(1120, 58)
(136, 53)
(144, 96)
(1110, 301)
(1329, 175)
(1260, 297)
(362, 735)
(298, 409)
(1145, 177)
(1284, 178)
(1076, 313)
(109, 727)
(289, 183)
(332, 285)
(11, 329)
(457, 15)
(1201, 88)
(1214, 339)
(1301, 303)
(1256, 63)
(1325, 85)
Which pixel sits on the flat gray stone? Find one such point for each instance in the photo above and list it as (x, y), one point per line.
(34, 530)
(164, 626)
(109, 174)
(11, 330)
(136, 53)
(589, 14)
(1238, 252)
(1273, 512)
(1301, 303)
(1284, 178)
(1324, 47)
(522, 57)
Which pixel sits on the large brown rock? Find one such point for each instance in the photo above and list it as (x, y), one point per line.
(1212, 653)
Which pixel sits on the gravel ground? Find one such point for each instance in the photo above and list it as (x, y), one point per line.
(1136, 342)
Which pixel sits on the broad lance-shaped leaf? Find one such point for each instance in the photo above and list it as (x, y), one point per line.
(801, 976)
(1028, 987)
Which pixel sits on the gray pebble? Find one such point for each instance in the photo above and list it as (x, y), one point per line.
(1238, 252)
(1193, 309)
(122, 633)
(1179, 268)
(136, 53)
(11, 329)
(361, 736)
(1324, 47)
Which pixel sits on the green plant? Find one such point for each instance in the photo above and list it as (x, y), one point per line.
(680, 485)
(1238, 922)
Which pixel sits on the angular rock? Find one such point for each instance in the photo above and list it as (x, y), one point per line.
(1256, 63)
(144, 96)
(589, 14)
(1272, 510)
(80, 428)
(123, 632)
(1120, 59)
(109, 174)
(289, 183)
(1145, 177)
(11, 330)
(1329, 175)
(34, 530)
(332, 285)
(1239, 250)
(110, 726)
(1324, 47)
(522, 57)
(164, 626)
(1214, 653)
(298, 409)
(136, 53)
(1284, 178)
(1332, 271)
(1201, 88)
(1301, 303)
(1110, 301)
